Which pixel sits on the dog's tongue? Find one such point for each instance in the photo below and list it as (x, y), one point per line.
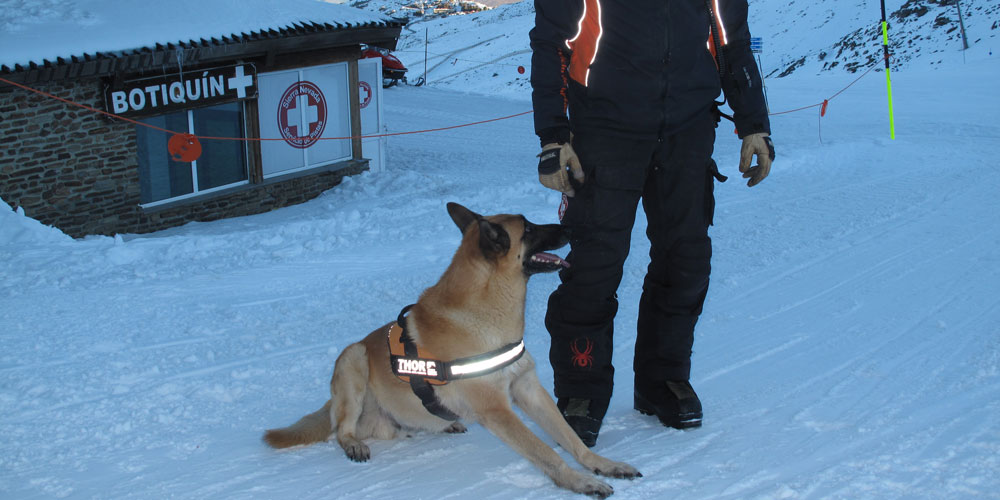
(547, 257)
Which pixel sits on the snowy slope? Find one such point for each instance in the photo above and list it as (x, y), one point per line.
(484, 50)
(850, 345)
(480, 52)
(921, 33)
(849, 348)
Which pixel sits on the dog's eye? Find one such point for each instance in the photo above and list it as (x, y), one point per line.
(527, 229)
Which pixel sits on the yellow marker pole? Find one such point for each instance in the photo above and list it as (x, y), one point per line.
(888, 80)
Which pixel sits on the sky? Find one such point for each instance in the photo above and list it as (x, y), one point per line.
(849, 346)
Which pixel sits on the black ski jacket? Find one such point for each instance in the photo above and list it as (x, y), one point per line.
(640, 68)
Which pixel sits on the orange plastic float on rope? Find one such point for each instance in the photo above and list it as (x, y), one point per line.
(184, 148)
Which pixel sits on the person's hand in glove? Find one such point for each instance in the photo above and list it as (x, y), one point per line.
(756, 144)
(556, 163)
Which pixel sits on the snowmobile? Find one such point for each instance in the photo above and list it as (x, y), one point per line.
(393, 70)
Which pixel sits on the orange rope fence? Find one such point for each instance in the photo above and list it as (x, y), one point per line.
(827, 101)
(154, 127)
(389, 134)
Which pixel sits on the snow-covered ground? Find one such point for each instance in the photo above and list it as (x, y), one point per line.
(850, 346)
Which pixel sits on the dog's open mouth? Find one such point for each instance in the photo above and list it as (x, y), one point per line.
(545, 262)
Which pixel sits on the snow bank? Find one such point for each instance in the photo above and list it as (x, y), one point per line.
(16, 229)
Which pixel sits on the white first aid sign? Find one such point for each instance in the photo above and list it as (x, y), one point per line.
(169, 93)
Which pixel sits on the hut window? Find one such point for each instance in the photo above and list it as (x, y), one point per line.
(222, 163)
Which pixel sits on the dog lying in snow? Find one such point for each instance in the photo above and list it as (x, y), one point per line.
(458, 353)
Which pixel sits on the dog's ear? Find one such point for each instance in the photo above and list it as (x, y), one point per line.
(493, 239)
(463, 217)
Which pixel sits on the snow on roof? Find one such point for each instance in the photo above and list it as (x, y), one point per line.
(41, 30)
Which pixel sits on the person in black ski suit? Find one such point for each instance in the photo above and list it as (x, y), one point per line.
(639, 79)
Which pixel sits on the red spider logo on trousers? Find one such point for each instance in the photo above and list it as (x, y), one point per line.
(582, 359)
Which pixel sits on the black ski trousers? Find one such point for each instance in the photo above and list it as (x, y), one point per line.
(673, 177)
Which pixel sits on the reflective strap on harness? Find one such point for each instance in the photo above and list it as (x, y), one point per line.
(486, 363)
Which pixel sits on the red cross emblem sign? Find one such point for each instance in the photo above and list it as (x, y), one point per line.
(302, 114)
(365, 93)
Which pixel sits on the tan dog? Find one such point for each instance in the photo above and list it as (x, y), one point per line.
(476, 307)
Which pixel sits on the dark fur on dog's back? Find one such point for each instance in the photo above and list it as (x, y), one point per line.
(477, 306)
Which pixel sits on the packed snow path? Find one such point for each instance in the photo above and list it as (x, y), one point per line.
(850, 347)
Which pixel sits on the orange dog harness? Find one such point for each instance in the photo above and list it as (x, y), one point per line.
(422, 369)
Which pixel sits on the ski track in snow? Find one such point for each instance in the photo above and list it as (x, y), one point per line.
(848, 349)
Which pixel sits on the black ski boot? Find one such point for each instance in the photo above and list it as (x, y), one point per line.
(674, 402)
(584, 416)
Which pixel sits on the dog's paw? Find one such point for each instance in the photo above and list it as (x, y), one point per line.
(456, 428)
(593, 487)
(610, 468)
(580, 482)
(618, 470)
(356, 450)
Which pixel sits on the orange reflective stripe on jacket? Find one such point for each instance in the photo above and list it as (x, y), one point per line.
(717, 23)
(586, 42)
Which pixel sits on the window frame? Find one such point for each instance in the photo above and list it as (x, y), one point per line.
(344, 92)
(196, 193)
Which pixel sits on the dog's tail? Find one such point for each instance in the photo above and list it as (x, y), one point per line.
(312, 428)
